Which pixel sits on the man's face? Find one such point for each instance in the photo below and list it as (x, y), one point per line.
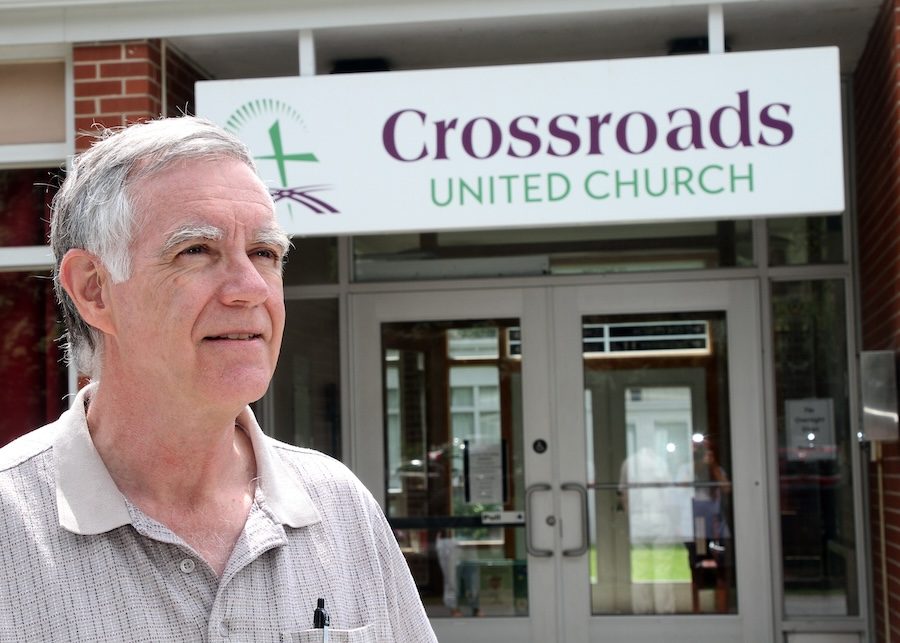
(202, 314)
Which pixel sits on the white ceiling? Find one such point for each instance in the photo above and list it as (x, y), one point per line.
(580, 35)
(253, 38)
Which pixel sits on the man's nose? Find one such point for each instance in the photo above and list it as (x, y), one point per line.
(242, 283)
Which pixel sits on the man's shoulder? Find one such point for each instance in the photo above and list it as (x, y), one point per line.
(318, 472)
(310, 461)
(28, 446)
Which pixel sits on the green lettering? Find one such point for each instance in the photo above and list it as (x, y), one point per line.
(508, 178)
(587, 184)
(620, 183)
(449, 198)
(665, 182)
(553, 195)
(531, 186)
(465, 187)
(746, 177)
(683, 177)
(701, 179)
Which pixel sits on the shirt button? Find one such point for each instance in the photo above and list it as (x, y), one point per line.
(223, 629)
(187, 565)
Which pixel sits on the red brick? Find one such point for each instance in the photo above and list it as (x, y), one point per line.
(877, 101)
(121, 105)
(120, 70)
(85, 89)
(85, 71)
(85, 106)
(83, 123)
(141, 86)
(85, 53)
(137, 50)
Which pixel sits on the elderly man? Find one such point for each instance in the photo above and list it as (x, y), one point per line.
(155, 509)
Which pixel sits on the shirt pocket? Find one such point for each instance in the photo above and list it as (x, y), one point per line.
(364, 634)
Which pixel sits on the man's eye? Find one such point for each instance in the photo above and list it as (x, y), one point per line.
(265, 253)
(193, 250)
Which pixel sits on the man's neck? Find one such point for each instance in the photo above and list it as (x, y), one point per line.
(192, 471)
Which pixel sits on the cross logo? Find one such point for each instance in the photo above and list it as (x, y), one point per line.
(247, 117)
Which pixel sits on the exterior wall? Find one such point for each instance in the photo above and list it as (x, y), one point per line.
(121, 83)
(181, 74)
(877, 127)
(115, 84)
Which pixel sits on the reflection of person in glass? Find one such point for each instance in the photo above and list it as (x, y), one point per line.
(460, 577)
(458, 574)
(709, 553)
(645, 491)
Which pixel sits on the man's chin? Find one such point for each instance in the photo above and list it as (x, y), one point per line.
(240, 389)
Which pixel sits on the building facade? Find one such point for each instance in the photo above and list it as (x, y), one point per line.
(636, 428)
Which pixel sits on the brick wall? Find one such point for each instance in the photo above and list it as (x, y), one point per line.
(181, 74)
(115, 84)
(876, 115)
(121, 83)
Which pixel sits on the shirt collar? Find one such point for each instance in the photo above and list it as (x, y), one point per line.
(284, 493)
(89, 502)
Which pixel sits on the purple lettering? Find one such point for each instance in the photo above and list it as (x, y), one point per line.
(693, 130)
(622, 133)
(569, 136)
(441, 129)
(518, 134)
(595, 122)
(468, 138)
(743, 116)
(783, 126)
(389, 135)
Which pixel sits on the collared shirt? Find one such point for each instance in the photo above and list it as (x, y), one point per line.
(79, 562)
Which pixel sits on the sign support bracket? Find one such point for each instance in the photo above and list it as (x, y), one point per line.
(716, 29)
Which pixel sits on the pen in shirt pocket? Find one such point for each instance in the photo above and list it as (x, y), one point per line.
(321, 620)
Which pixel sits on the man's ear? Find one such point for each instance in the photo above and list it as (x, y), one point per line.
(85, 280)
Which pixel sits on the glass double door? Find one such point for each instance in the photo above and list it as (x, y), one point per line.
(571, 463)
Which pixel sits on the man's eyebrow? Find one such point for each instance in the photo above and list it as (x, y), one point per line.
(273, 237)
(190, 233)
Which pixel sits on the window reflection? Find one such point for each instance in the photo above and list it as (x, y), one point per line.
(797, 241)
(559, 251)
(658, 458)
(816, 486)
(453, 430)
(34, 376)
(35, 380)
(305, 389)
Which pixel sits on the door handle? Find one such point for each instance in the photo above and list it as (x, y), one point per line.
(529, 546)
(585, 536)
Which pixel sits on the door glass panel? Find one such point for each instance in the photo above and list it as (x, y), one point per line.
(306, 387)
(658, 462)
(313, 260)
(454, 462)
(818, 540)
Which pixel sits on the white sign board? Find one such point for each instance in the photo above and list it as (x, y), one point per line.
(677, 138)
(484, 472)
(810, 429)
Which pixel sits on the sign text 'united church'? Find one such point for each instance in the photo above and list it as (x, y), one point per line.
(678, 138)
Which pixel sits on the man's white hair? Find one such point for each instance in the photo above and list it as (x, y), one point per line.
(94, 209)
